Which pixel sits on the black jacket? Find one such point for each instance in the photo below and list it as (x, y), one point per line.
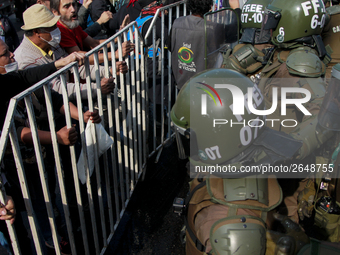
(15, 82)
(98, 7)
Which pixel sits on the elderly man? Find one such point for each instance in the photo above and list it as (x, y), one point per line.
(22, 79)
(40, 46)
(73, 38)
(83, 14)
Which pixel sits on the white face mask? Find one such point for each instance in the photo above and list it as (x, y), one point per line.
(12, 67)
(56, 37)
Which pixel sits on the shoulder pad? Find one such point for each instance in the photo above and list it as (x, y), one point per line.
(282, 56)
(244, 59)
(332, 10)
(304, 62)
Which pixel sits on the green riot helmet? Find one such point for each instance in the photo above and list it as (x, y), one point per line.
(291, 20)
(219, 119)
(251, 18)
(203, 112)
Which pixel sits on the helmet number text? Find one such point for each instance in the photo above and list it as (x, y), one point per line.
(244, 17)
(257, 9)
(211, 154)
(318, 8)
(315, 21)
(282, 31)
(246, 134)
(257, 17)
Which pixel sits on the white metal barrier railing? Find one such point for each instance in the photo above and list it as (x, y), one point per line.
(101, 202)
(109, 189)
(165, 16)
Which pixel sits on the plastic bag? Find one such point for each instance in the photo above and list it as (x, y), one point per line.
(104, 143)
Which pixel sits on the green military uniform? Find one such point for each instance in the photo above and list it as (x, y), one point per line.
(290, 70)
(301, 63)
(228, 210)
(221, 210)
(261, 56)
(285, 55)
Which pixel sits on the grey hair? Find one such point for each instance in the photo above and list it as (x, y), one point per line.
(54, 5)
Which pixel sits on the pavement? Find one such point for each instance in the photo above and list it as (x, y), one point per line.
(149, 225)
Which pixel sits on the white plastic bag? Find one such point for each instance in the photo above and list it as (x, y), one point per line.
(104, 143)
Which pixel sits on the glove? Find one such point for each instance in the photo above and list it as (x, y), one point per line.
(287, 243)
(306, 200)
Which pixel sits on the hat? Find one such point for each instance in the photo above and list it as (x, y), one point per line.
(38, 16)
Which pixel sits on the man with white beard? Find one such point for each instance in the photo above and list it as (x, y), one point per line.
(73, 38)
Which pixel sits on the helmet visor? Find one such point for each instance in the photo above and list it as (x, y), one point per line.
(254, 36)
(270, 21)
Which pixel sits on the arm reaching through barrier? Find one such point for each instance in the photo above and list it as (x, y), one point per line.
(65, 136)
(121, 67)
(107, 85)
(75, 56)
(8, 211)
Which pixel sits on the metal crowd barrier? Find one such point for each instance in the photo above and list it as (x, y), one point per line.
(109, 189)
(125, 116)
(165, 15)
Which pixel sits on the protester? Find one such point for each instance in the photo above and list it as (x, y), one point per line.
(8, 33)
(102, 6)
(22, 80)
(73, 38)
(7, 212)
(40, 46)
(84, 15)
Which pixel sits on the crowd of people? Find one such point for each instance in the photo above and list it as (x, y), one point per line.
(49, 43)
(280, 41)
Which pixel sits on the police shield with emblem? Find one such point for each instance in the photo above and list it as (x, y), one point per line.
(221, 33)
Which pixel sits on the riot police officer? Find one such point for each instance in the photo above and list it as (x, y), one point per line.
(220, 210)
(289, 37)
(230, 201)
(250, 55)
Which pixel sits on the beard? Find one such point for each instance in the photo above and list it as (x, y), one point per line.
(70, 24)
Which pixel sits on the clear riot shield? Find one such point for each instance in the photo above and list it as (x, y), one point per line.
(329, 115)
(221, 33)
